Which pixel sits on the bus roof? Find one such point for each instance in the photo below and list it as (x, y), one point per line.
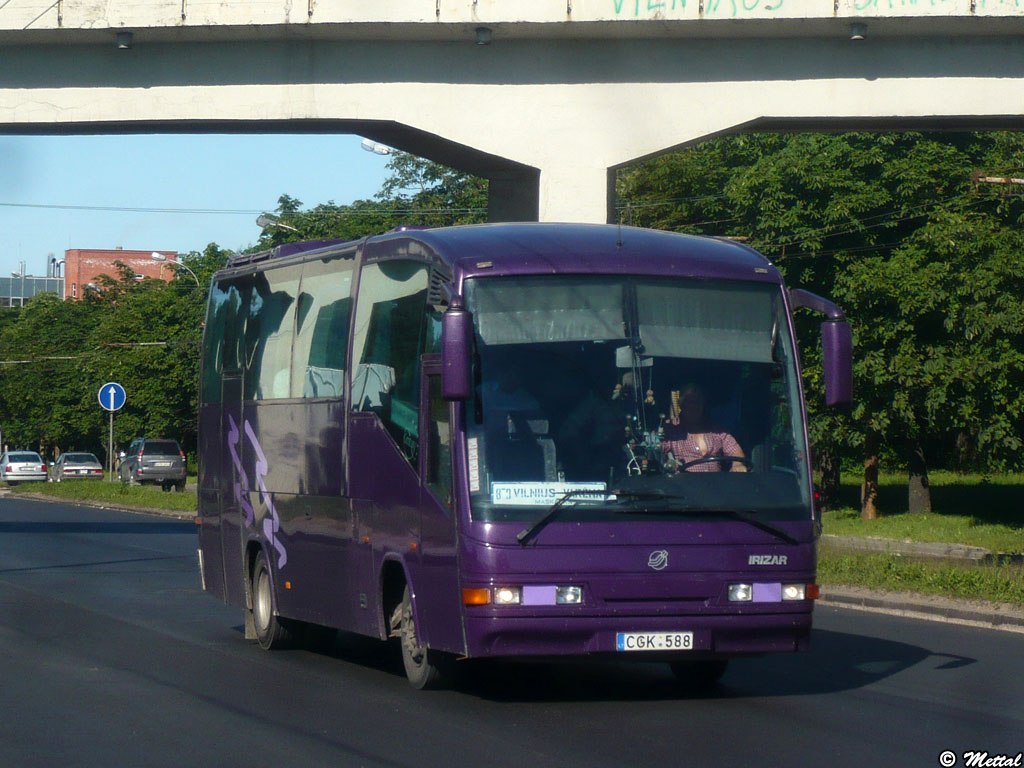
(547, 248)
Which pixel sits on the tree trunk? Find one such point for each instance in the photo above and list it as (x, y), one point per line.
(828, 491)
(869, 490)
(919, 492)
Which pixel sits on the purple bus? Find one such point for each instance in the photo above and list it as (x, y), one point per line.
(514, 440)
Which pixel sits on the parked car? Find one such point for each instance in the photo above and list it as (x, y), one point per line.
(157, 461)
(22, 467)
(76, 466)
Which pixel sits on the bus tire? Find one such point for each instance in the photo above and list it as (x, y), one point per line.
(699, 675)
(272, 632)
(421, 664)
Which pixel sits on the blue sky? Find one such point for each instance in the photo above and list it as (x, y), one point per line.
(247, 173)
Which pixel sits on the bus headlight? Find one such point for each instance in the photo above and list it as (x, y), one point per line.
(507, 595)
(794, 592)
(741, 593)
(569, 595)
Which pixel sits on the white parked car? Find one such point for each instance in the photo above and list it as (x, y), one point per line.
(22, 467)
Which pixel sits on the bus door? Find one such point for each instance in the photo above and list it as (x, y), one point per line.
(232, 519)
(438, 594)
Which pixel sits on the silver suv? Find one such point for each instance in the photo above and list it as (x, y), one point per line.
(158, 461)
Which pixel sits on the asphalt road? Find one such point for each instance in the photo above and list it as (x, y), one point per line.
(111, 656)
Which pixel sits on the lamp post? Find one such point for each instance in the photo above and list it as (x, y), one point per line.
(171, 262)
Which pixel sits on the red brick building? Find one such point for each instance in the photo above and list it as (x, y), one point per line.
(83, 265)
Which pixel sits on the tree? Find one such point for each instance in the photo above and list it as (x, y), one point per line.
(418, 192)
(922, 262)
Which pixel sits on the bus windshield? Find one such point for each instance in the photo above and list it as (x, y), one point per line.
(633, 398)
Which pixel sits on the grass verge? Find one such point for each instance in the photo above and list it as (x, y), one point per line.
(976, 510)
(995, 583)
(981, 511)
(142, 497)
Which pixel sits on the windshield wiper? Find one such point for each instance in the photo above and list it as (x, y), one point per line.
(533, 527)
(735, 514)
(749, 519)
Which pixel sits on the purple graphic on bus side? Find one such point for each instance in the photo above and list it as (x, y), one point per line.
(271, 523)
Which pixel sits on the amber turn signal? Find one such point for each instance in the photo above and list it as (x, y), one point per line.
(476, 596)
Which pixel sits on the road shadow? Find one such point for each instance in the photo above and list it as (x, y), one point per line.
(837, 662)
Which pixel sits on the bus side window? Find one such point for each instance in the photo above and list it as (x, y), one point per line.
(268, 333)
(321, 328)
(225, 330)
(390, 323)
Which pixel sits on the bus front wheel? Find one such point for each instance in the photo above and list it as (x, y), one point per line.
(272, 631)
(421, 667)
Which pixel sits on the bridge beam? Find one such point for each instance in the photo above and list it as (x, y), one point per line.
(546, 121)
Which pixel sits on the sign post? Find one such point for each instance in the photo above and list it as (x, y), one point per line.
(112, 398)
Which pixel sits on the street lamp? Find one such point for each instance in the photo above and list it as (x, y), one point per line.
(171, 262)
(265, 221)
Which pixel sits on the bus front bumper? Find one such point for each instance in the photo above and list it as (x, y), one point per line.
(638, 637)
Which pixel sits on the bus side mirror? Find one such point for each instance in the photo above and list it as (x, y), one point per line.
(837, 353)
(836, 346)
(456, 349)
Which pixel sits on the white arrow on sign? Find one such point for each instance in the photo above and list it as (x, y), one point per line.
(112, 392)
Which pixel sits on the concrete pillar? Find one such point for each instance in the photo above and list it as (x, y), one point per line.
(575, 193)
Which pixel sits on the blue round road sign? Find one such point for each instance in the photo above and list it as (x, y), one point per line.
(111, 396)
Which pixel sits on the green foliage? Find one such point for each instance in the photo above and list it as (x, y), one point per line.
(54, 355)
(143, 334)
(418, 193)
(924, 262)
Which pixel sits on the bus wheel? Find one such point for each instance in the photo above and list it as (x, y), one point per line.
(272, 632)
(420, 663)
(699, 674)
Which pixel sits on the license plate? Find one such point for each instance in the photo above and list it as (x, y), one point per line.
(162, 464)
(654, 641)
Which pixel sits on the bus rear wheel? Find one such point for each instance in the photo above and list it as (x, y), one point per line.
(272, 631)
(421, 664)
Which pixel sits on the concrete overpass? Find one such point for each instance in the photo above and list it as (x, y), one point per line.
(546, 98)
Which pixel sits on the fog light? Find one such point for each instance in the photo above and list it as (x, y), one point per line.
(506, 596)
(794, 592)
(569, 595)
(741, 593)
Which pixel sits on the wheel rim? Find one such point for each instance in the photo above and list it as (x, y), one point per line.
(410, 647)
(261, 601)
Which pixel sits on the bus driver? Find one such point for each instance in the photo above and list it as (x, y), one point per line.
(691, 444)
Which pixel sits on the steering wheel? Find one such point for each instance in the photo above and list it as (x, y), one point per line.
(708, 459)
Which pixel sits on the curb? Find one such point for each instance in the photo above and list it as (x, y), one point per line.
(174, 515)
(1002, 616)
(907, 548)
